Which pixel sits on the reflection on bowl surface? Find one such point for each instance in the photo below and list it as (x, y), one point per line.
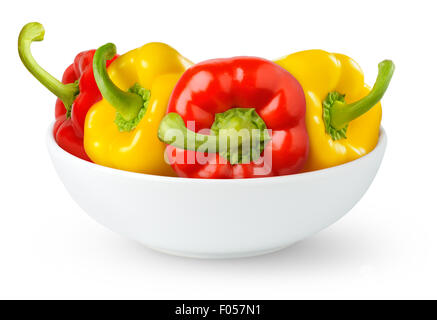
(216, 218)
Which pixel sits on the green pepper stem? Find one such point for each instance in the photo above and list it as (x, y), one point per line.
(238, 135)
(172, 130)
(31, 32)
(126, 103)
(342, 114)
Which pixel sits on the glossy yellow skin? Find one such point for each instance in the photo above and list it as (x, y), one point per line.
(157, 67)
(319, 73)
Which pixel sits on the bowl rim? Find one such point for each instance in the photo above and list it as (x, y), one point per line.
(54, 147)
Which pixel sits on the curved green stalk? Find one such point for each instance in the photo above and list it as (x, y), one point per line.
(341, 114)
(31, 32)
(238, 135)
(128, 104)
(172, 130)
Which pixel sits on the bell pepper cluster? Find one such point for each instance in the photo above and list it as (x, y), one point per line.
(153, 111)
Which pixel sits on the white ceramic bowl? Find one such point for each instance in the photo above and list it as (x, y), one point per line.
(216, 218)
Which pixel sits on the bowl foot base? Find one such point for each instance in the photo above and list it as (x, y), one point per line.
(216, 256)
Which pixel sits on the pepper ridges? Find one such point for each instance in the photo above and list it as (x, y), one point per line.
(213, 94)
(343, 113)
(121, 130)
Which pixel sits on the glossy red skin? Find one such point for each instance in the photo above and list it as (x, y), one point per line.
(68, 132)
(215, 86)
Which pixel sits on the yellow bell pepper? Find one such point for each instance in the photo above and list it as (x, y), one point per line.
(343, 115)
(121, 130)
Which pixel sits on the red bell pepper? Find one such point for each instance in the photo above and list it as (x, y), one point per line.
(234, 94)
(76, 94)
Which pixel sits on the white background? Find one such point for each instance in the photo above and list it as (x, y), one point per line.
(386, 247)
